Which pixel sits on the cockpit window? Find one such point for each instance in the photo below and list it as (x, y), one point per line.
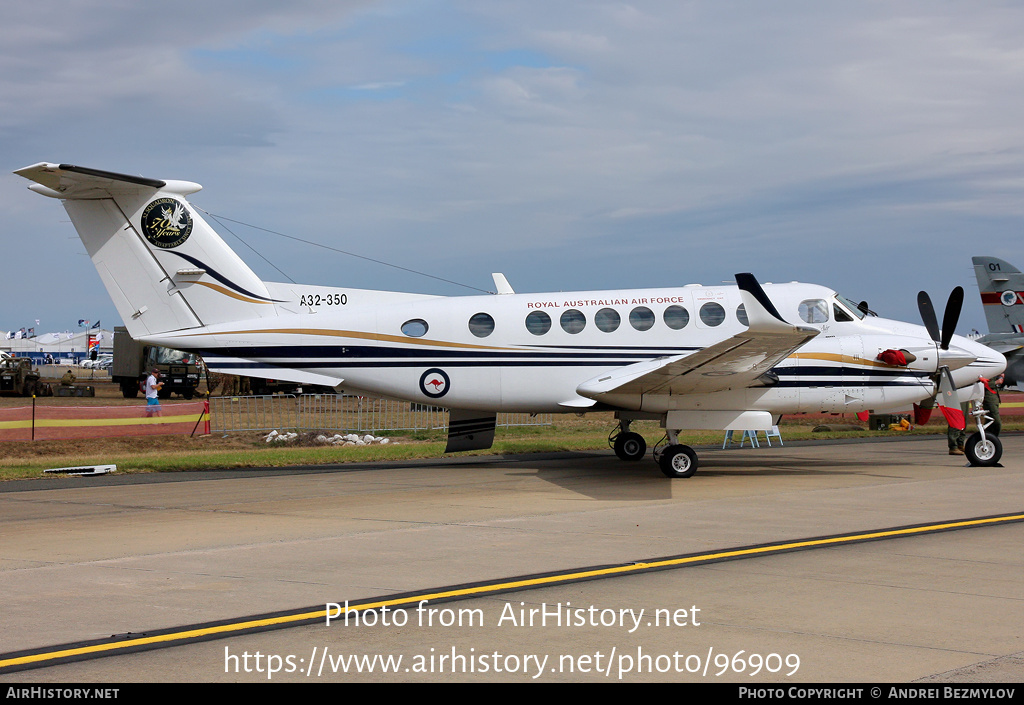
(850, 306)
(840, 314)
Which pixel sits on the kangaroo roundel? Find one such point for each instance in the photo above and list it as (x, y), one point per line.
(434, 383)
(166, 223)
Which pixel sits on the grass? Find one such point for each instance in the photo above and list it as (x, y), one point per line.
(19, 460)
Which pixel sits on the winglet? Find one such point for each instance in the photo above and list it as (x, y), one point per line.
(748, 282)
(762, 315)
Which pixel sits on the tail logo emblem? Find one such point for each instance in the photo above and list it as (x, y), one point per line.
(434, 383)
(1008, 298)
(166, 223)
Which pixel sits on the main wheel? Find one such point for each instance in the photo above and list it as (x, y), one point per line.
(983, 453)
(630, 446)
(129, 390)
(678, 461)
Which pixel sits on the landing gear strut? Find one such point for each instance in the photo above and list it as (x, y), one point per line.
(676, 459)
(627, 445)
(982, 449)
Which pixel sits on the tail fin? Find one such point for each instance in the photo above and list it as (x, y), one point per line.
(1002, 294)
(164, 267)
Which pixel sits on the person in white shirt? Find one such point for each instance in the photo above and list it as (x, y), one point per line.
(153, 385)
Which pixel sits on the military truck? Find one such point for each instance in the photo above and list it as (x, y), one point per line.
(133, 360)
(17, 378)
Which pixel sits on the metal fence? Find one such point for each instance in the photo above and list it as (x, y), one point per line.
(337, 412)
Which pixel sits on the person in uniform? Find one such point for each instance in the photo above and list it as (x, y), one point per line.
(991, 402)
(956, 438)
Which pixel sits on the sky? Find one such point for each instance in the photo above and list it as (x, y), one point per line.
(873, 147)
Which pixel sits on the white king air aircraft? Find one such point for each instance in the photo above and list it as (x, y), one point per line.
(693, 357)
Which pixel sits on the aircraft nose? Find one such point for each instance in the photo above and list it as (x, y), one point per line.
(956, 356)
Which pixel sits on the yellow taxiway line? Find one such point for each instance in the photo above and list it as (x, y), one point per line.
(113, 646)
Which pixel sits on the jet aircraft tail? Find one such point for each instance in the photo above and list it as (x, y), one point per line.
(164, 267)
(1002, 294)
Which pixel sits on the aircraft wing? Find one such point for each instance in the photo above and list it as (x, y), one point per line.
(1002, 342)
(733, 363)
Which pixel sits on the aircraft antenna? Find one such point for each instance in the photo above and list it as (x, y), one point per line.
(246, 243)
(219, 218)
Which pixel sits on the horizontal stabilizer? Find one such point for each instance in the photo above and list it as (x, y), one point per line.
(67, 181)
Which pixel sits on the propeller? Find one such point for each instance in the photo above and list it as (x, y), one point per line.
(948, 401)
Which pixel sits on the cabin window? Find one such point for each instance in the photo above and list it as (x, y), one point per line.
(712, 314)
(813, 311)
(415, 328)
(607, 319)
(481, 325)
(641, 318)
(573, 321)
(741, 315)
(676, 317)
(538, 322)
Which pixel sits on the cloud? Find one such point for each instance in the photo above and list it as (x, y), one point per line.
(577, 144)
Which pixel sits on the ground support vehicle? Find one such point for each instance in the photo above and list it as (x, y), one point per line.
(133, 361)
(18, 378)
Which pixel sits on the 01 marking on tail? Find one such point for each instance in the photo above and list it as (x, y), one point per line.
(692, 357)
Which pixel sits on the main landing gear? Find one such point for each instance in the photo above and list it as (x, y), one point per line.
(628, 445)
(675, 460)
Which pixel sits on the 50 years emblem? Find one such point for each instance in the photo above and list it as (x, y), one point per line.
(166, 223)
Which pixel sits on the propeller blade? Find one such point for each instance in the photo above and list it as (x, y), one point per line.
(949, 401)
(951, 316)
(924, 305)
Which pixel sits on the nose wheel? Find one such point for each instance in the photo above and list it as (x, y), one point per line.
(983, 451)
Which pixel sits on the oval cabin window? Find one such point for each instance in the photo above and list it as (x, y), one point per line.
(415, 328)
